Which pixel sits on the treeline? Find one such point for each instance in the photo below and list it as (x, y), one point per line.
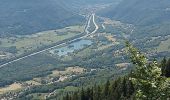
(122, 88)
(148, 81)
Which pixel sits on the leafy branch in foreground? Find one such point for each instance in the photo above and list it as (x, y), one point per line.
(146, 77)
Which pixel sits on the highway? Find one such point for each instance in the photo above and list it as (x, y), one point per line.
(64, 43)
(88, 34)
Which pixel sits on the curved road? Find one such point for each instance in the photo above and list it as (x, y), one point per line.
(87, 34)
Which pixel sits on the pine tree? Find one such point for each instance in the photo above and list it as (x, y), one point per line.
(163, 66)
(75, 96)
(88, 95)
(130, 89)
(106, 89)
(167, 69)
(117, 94)
(124, 90)
(91, 94)
(83, 97)
(95, 92)
(99, 90)
(113, 88)
(67, 97)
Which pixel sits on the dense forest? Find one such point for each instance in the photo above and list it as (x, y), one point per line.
(20, 17)
(122, 88)
(148, 81)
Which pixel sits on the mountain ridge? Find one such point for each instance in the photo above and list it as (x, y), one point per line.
(142, 12)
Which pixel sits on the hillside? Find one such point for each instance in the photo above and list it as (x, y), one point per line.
(31, 16)
(145, 82)
(141, 12)
(84, 49)
(150, 19)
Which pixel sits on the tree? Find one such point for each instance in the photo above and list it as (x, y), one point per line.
(149, 83)
(130, 89)
(83, 97)
(167, 69)
(67, 97)
(88, 93)
(163, 66)
(145, 82)
(124, 88)
(115, 90)
(97, 93)
(75, 96)
(106, 89)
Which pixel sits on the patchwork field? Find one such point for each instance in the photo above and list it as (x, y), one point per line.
(61, 76)
(25, 43)
(69, 70)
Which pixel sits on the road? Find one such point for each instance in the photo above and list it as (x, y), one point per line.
(88, 24)
(88, 34)
(64, 43)
(97, 27)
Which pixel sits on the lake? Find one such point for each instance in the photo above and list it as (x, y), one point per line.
(62, 51)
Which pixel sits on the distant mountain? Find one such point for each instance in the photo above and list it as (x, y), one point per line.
(151, 18)
(30, 16)
(84, 3)
(141, 12)
(87, 2)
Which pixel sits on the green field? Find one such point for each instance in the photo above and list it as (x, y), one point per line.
(164, 46)
(28, 43)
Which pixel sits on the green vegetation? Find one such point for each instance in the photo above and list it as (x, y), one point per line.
(98, 57)
(27, 69)
(98, 71)
(149, 83)
(122, 88)
(137, 13)
(28, 17)
(165, 67)
(23, 44)
(150, 31)
(144, 83)
(45, 63)
(164, 46)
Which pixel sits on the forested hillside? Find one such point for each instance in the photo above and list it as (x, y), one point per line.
(145, 82)
(122, 88)
(31, 16)
(150, 21)
(141, 12)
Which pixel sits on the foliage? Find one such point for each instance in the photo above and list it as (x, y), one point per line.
(165, 67)
(121, 88)
(145, 82)
(149, 83)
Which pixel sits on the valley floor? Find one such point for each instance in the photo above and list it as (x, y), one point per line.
(93, 58)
